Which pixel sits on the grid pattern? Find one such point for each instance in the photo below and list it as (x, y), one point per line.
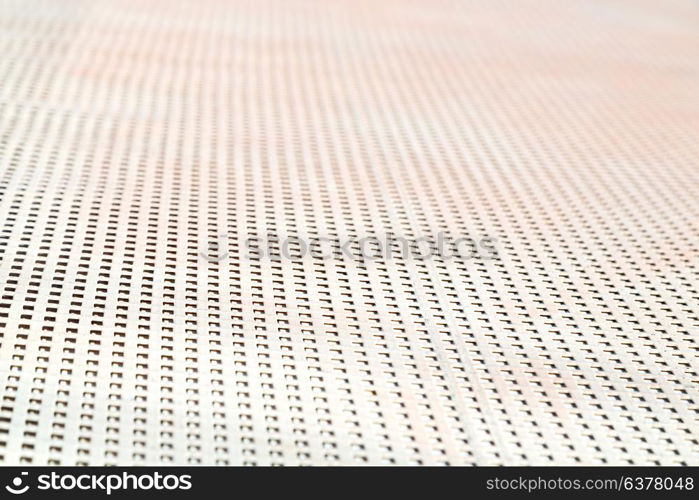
(134, 133)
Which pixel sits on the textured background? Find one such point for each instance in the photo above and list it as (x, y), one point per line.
(134, 132)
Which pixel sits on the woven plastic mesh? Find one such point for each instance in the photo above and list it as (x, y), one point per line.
(133, 133)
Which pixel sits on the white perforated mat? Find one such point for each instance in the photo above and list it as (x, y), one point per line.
(133, 134)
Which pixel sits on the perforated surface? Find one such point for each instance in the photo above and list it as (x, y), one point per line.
(132, 134)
